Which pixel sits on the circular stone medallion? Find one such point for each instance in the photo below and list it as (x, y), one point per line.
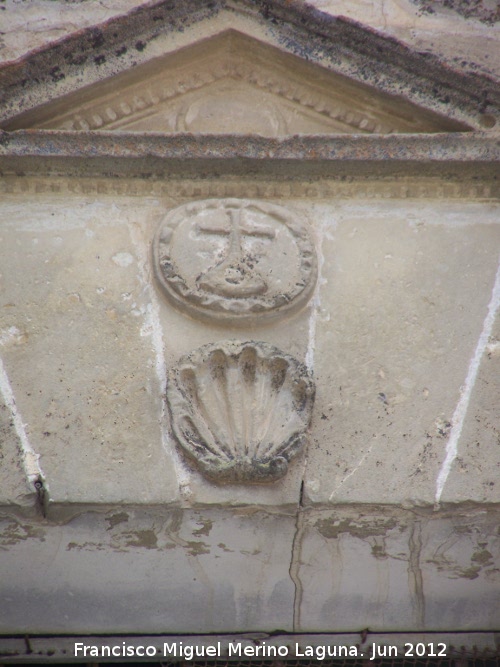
(234, 259)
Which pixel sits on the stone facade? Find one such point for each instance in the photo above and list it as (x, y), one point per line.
(172, 304)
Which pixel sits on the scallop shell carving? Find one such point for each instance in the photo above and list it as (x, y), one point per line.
(240, 410)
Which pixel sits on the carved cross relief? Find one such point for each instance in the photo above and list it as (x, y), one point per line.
(236, 276)
(218, 259)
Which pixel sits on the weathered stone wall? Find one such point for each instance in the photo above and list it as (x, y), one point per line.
(461, 35)
(401, 325)
(244, 270)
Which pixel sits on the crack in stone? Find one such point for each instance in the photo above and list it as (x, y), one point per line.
(295, 561)
(416, 584)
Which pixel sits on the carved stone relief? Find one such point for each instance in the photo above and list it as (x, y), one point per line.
(201, 111)
(224, 259)
(232, 83)
(240, 410)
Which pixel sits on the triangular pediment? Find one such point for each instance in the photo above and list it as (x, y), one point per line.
(232, 84)
(232, 71)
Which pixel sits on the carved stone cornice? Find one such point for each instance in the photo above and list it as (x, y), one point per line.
(335, 44)
(163, 94)
(449, 155)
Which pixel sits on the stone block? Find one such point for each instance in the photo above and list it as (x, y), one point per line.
(396, 570)
(131, 571)
(403, 299)
(458, 557)
(354, 572)
(84, 373)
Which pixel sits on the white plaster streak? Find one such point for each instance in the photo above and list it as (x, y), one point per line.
(315, 303)
(152, 327)
(466, 390)
(10, 334)
(30, 458)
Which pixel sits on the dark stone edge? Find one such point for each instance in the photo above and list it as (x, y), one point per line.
(155, 155)
(335, 42)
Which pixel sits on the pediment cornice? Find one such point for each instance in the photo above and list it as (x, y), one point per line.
(334, 44)
(447, 156)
